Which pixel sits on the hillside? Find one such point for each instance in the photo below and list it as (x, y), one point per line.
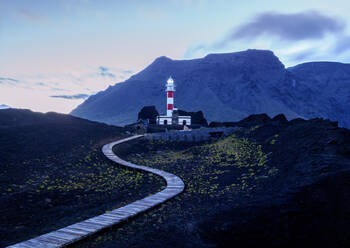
(37, 134)
(229, 87)
(53, 174)
(274, 183)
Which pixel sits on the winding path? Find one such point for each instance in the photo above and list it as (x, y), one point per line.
(80, 230)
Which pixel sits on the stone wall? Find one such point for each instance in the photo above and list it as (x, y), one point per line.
(194, 135)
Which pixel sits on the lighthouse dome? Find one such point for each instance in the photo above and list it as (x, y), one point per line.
(170, 80)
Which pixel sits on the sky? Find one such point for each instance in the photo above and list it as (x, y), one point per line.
(56, 53)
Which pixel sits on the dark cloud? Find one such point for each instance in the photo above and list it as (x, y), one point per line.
(107, 74)
(40, 84)
(6, 80)
(104, 71)
(72, 97)
(287, 29)
(290, 27)
(342, 44)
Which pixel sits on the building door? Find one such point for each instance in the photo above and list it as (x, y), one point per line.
(184, 122)
(165, 122)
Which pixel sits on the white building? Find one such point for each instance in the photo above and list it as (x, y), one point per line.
(172, 117)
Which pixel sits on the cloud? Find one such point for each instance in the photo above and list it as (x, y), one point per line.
(294, 36)
(303, 55)
(40, 84)
(71, 97)
(192, 50)
(58, 89)
(288, 27)
(9, 81)
(104, 71)
(107, 74)
(342, 44)
(127, 71)
(29, 15)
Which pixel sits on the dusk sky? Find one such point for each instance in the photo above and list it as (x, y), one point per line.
(55, 53)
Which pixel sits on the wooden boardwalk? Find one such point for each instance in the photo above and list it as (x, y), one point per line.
(80, 230)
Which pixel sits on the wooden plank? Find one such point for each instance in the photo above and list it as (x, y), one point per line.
(79, 231)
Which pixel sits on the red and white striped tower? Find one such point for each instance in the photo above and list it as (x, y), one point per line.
(170, 89)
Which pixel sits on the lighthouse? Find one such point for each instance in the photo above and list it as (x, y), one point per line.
(172, 116)
(170, 89)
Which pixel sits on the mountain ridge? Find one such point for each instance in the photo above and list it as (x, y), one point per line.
(4, 106)
(229, 87)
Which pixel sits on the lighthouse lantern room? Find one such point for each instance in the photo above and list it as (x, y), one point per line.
(172, 117)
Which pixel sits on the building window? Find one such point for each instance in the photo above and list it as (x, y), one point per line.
(184, 122)
(165, 122)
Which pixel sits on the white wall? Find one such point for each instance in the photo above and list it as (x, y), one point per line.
(161, 120)
(184, 118)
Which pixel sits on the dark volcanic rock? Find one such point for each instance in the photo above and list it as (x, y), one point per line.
(250, 121)
(197, 118)
(280, 118)
(302, 201)
(254, 120)
(53, 173)
(308, 204)
(148, 113)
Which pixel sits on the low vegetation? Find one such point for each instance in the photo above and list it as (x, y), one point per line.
(54, 174)
(205, 167)
(272, 181)
(269, 184)
(216, 171)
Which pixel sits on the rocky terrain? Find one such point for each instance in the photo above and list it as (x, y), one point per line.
(229, 87)
(274, 183)
(53, 174)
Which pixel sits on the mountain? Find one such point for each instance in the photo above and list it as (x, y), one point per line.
(229, 87)
(4, 106)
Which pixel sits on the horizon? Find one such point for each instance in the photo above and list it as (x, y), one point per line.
(57, 54)
(85, 97)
